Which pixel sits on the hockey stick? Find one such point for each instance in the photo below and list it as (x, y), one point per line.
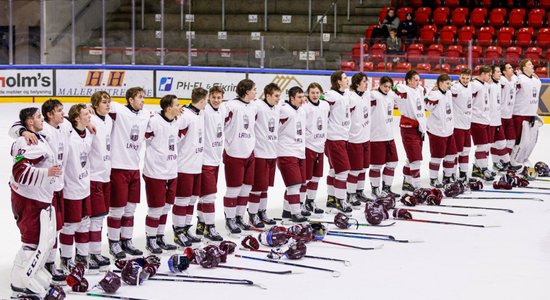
(538, 179)
(365, 237)
(535, 188)
(387, 236)
(334, 272)
(105, 296)
(330, 222)
(196, 277)
(445, 213)
(245, 282)
(257, 270)
(447, 223)
(512, 192)
(347, 263)
(500, 198)
(479, 207)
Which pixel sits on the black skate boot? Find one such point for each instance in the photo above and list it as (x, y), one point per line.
(128, 247)
(241, 224)
(116, 250)
(180, 238)
(434, 182)
(388, 191)
(91, 266)
(163, 245)
(499, 166)
(231, 226)
(303, 210)
(476, 172)
(212, 234)
(297, 218)
(448, 179)
(463, 176)
(331, 202)
(255, 221)
(262, 214)
(102, 261)
(151, 245)
(286, 214)
(67, 265)
(362, 197)
(343, 206)
(57, 275)
(199, 230)
(312, 207)
(407, 187)
(190, 237)
(352, 200)
(376, 192)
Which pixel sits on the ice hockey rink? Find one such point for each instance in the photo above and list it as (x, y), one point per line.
(511, 261)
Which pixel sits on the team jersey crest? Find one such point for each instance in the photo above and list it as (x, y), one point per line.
(134, 133)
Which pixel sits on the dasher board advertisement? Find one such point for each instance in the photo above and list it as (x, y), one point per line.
(181, 83)
(115, 82)
(26, 82)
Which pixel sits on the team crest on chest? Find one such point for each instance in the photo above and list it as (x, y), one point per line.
(108, 142)
(299, 128)
(245, 122)
(534, 90)
(83, 159)
(418, 104)
(60, 152)
(219, 131)
(347, 111)
(390, 110)
(319, 123)
(469, 104)
(200, 136)
(365, 112)
(134, 133)
(448, 108)
(171, 143)
(271, 125)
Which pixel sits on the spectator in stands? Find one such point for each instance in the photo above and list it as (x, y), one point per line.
(384, 27)
(393, 43)
(408, 29)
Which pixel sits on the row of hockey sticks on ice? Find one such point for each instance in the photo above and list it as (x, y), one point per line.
(500, 198)
(333, 272)
(97, 295)
(403, 214)
(284, 222)
(445, 213)
(478, 207)
(285, 272)
(369, 236)
(511, 192)
(347, 263)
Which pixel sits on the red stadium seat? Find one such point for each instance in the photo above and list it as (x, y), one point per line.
(534, 54)
(524, 36)
(476, 70)
(466, 34)
(348, 66)
(415, 53)
(459, 16)
(441, 16)
(454, 54)
(368, 32)
(536, 17)
(403, 67)
(485, 36)
(423, 68)
(427, 34)
(478, 17)
(415, 3)
(486, 3)
(543, 38)
(547, 55)
(443, 68)
(447, 35)
(458, 68)
(544, 4)
(356, 51)
(497, 17)
(513, 53)
(377, 52)
(516, 18)
(368, 66)
(493, 53)
(422, 15)
(433, 54)
(477, 52)
(384, 67)
(452, 3)
(382, 14)
(403, 11)
(505, 36)
(542, 72)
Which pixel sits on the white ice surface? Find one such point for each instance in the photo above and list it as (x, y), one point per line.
(508, 262)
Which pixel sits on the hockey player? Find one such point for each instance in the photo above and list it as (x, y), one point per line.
(238, 158)
(160, 171)
(526, 109)
(339, 124)
(317, 112)
(358, 146)
(413, 127)
(440, 132)
(130, 123)
(265, 154)
(190, 158)
(291, 152)
(213, 141)
(382, 146)
(100, 172)
(462, 115)
(509, 82)
(496, 131)
(33, 181)
(480, 123)
(77, 204)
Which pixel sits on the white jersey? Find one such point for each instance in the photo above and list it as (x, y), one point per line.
(161, 154)
(77, 171)
(213, 135)
(410, 102)
(360, 117)
(292, 139)
(191, 143)
(128, 135)
(100, 155)
(266, 129)
(462, 105)
(527, 97)
(58, 138)
(30, 178)
(339, 121)
(381, 116)
(480, 102)
(240, 120)
(495, 94)
(316, 124)
(508, 96)
(440, 106)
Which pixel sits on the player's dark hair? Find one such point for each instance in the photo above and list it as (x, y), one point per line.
(484, 69)
(314, 85)
(166, 101)
(494, 68)
(244, 86)
(133, 92)
(466, 71)
(385, 79)
(410, 74)
(293, 91)
(334, 78)
(503, 66)
(271, 88)
(356, 80)
(74, 112)
(97, 97)
(25, 114)
(442, 78)
(216, 89)
(198, 94)
(49, 106)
